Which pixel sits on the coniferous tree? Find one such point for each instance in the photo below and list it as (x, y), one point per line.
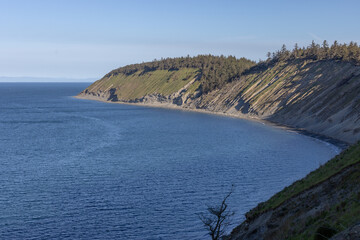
(324, 51)
(216, 71)
(343, 52)
(295, 52)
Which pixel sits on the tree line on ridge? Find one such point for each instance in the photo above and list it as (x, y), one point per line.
(216, 71)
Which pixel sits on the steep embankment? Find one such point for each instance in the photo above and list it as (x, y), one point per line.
(318, 96)
(324, 203)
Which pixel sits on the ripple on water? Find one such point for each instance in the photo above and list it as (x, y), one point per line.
(77, 169)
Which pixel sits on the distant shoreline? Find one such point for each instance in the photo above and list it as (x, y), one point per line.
(337, 143)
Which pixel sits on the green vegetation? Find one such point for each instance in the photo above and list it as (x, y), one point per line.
(348, 157)
(139, 84)
(296, 216)
(342, 52)
(215, 71)
(335, 218)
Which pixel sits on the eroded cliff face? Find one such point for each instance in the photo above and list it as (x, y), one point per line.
(319, 96)
(322, 97)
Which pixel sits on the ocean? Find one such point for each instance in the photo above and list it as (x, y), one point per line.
(81, 169)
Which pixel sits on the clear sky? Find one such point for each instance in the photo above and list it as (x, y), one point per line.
(87, 39)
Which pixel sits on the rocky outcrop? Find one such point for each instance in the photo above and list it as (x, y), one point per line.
(108, 95)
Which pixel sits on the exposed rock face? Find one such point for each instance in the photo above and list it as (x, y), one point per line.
(319, 96)
(109, 95)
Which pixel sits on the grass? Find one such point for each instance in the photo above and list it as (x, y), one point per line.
(338, 217)
(194, 87)
(335, 216)
(138, 84)
(348, 157)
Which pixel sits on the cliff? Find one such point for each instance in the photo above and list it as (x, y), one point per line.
(319, 96)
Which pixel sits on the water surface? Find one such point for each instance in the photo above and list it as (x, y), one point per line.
(79, 169)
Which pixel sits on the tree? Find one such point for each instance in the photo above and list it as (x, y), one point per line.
(284, 53)
(217, 219)
(268, 55)
(296, 51)
(325, 47)
(324, 53)
(334, 50)
(313, 50)
(343, 52)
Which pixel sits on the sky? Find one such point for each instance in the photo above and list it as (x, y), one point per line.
(82, 39)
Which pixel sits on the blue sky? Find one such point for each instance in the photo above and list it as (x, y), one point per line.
(87, 39)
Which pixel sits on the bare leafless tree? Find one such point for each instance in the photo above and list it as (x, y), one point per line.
(217, 218)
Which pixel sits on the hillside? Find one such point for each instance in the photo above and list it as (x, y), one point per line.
(325, 202)
(122, 87)
(319, 96)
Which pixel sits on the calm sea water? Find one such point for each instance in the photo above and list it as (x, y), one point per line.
(79, 169)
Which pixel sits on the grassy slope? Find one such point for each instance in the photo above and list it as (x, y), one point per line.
(138, 85)
(348, 157)
(338, 217)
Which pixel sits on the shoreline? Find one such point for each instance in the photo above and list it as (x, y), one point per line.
(335, 142)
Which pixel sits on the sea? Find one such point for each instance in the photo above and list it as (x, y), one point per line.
(82, 169)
